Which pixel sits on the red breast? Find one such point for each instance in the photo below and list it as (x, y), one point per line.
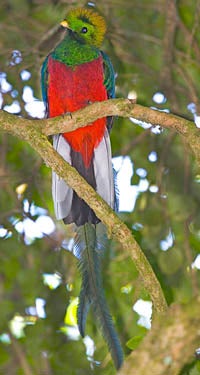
(70, 89)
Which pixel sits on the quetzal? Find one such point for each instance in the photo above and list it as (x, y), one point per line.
(75, 74)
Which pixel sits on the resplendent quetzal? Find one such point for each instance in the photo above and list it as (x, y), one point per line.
(75, 74)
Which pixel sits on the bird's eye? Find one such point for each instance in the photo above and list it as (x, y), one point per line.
(84, 30)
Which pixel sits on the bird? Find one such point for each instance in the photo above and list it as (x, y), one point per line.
(75, 74)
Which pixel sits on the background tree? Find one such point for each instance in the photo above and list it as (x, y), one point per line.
(154, 49)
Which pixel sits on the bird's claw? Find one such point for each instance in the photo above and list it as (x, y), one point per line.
(67, 114)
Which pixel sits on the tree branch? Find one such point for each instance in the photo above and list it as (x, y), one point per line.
(169, 346)
(111, 107)
(35, 132)
(39, 142)
(21, 356)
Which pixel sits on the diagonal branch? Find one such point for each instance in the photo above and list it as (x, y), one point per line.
(35, 133)
(115, 226)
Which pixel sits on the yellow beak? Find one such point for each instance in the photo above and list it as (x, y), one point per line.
(65, 24)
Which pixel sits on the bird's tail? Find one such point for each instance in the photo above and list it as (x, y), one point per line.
(89, 252)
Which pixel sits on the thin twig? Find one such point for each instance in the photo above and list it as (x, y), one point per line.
(20, 355)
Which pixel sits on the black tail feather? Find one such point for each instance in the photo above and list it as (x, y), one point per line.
(81, 213)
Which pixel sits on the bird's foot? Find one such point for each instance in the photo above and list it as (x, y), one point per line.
(67, 114)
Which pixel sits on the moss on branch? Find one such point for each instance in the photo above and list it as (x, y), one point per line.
(169, 345)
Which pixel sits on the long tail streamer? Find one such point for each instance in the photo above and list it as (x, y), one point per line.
(89, 253)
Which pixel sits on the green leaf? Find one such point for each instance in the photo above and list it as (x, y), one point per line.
(134, 342)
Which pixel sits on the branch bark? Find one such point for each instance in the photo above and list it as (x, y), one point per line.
(33, 131)
(169, 346)
(112, 107)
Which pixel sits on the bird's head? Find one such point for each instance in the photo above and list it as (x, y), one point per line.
(86, 25)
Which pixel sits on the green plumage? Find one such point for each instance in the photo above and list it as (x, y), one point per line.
(90, 250)
(72, 53)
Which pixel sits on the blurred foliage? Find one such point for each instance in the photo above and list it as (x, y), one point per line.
(154, 47)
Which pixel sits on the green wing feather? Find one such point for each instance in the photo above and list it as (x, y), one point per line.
(44, 82)
(109, 75)
(109, 82)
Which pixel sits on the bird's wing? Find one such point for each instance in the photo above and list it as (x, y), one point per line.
(44, 83)
(109, 82)
(109, 75)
